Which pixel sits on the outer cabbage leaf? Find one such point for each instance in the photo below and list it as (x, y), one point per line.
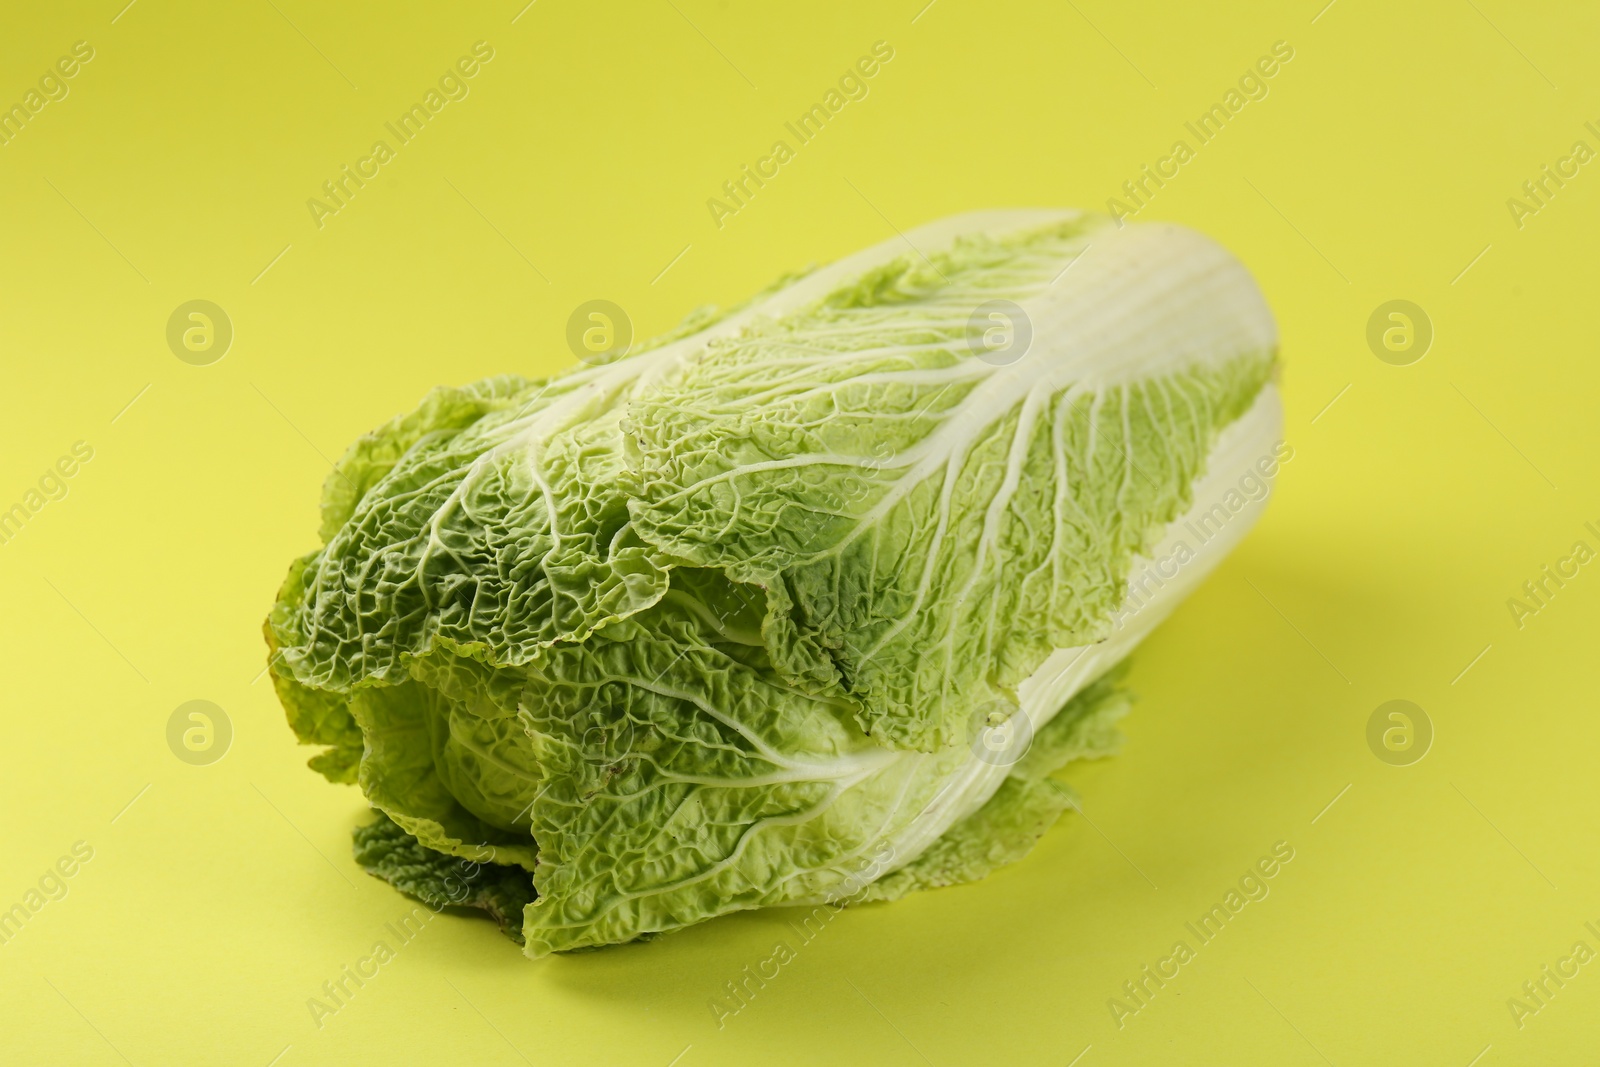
(442, 413)
(493, 516)
(499, 535)
(687, 780)
(1028, 802)
(442, 881)
(930, 524)
(316, 716)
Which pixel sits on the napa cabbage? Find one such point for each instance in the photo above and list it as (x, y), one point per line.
(807, 601)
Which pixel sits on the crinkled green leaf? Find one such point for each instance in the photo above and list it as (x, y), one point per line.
(317, 716)
(385, 850)
(508, 534)
(443, 413)
(928, 523)
(687, 780)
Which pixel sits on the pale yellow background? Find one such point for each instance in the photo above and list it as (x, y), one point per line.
(1378, 167)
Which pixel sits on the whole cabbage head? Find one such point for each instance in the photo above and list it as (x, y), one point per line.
(805, 602)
